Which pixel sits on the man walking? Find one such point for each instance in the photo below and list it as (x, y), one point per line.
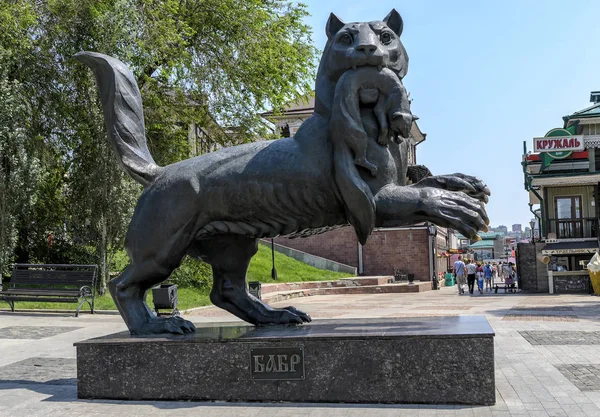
(459, 273)
(471, 272)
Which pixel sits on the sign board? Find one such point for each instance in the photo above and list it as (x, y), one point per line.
(558, 143)
(571, 284)
(568, 251)
(277, 363)
(551, 240)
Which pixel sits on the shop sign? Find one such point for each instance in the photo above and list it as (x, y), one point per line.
(558, 143)
(568, 251)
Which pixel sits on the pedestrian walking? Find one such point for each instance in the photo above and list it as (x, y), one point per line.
(471, 275)
(459, 274)
(488, 275)
(480, 275)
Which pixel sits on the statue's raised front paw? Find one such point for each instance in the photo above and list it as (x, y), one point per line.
(467, 184)
(160, 325)
(455, 210)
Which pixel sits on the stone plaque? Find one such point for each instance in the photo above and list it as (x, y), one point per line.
(272, 363)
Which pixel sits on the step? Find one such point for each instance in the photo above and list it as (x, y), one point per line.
(343, 283)
(363, 289)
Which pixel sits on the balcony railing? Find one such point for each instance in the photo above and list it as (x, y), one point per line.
(573, 228)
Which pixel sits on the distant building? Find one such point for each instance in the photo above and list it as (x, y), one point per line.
(501, 229)
(517, 228)
(490, 247)
(562, 176)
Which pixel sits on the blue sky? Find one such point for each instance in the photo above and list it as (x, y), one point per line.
(485, 76)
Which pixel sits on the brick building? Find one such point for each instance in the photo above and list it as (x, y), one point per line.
(404, 248)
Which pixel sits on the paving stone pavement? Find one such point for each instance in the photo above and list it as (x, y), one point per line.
(559, 377)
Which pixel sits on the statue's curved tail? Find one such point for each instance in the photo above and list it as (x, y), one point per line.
(123, 114)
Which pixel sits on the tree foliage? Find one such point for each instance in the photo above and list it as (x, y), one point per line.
(214, 63)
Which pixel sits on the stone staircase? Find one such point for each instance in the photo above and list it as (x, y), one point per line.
(354, 285)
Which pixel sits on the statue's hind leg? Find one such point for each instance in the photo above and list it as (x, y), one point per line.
(229, 256)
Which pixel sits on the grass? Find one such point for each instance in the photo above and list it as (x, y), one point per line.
(288, 270)
(188, 298)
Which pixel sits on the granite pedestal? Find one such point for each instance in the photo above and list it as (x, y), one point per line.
(431, 360)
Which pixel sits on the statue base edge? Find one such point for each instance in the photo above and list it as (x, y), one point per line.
(417, 360)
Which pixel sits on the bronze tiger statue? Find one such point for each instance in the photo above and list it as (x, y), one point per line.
(215, 207)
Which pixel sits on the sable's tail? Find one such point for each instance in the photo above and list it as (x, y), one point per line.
(123, 114)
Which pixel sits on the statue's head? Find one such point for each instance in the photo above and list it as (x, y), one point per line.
(356, 44)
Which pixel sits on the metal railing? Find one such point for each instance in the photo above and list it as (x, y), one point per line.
(573, 228)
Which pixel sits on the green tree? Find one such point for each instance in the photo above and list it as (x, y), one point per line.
(214, 63)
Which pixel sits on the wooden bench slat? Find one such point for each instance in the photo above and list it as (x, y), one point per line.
(50, 291)
(39, 298)
(57, 281)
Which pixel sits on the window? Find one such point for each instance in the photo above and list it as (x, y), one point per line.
(569, 217)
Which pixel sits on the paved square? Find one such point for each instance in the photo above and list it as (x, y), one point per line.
(543, 337)
(546, 363)
(33, 332)
(54, 371)
(539, 317)
(542, 309)
(585, 377)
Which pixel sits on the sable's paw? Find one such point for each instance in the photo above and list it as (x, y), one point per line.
(456, 210)
(382, 139)
(161, 325)
(362, 162)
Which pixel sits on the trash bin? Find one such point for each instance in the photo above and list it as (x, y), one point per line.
(254, 288)
(165, 296)
(449, 280)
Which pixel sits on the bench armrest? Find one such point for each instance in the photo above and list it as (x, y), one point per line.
(86, 291)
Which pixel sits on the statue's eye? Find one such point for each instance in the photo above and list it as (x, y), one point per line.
(345, 39)
(386, 38)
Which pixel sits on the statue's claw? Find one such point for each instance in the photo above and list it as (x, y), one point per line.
(455, 210)
(305, 317)
(287, 315)
(467, 184)
(482, 192)
(158, 325)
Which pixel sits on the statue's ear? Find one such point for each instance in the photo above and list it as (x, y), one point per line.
(334, 24)
(394, 22)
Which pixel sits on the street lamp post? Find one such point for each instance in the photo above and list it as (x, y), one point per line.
(532, 224)
(273, 270)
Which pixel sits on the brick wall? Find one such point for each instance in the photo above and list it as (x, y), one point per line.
(340, 245)
(407, 250)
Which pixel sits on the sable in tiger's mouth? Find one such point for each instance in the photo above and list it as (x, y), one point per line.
(368, 95)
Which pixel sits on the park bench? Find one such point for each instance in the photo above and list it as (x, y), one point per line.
(52, 283)
(506, 287)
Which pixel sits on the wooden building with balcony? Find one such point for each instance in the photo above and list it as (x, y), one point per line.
(562, 176)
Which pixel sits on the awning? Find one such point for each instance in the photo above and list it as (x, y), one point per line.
(571, 248)
(558, 180)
